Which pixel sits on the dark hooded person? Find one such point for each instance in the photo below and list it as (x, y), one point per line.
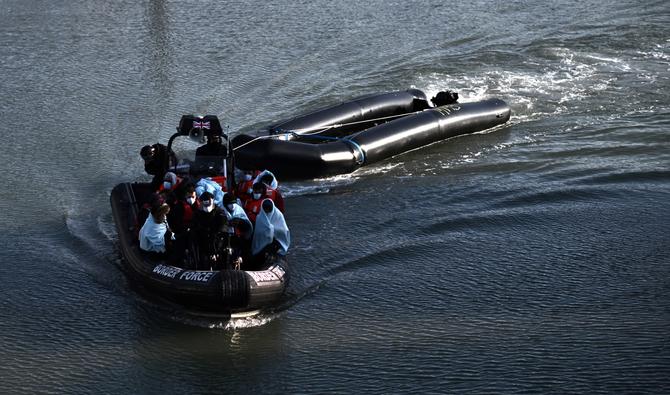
(240, 229)
(271, 234)
(271, 188)
(214, 146)
(208, 232)
(157, 161)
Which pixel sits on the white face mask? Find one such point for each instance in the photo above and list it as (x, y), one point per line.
(190, 200)
(167, 185)
(247, 177)
(257, 196)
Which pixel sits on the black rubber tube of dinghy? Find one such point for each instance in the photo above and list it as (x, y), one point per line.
(429, 126)
(354, 113)
(297, 159)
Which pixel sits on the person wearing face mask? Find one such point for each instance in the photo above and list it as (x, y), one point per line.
(211, 186)
(208, 231)
(271, 234)
(253, 206)
(240, 228)
(244, 188)
(180, 218)
(183, 207)
(237, 217)
(170, 182)
(170, 189)
(271, 188)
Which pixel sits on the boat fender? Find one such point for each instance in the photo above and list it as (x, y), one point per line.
(235, 287)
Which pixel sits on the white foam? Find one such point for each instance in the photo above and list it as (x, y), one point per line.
(244, 322)
(326, 184)
(319, 186)
(538, 93)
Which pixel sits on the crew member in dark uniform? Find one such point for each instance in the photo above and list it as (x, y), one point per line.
(156, 162)
(208, 234)
(209, 158)
(214, 146)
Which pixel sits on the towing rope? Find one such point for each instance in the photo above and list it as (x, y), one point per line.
(337, 125)
(360, 159)
(251, 141)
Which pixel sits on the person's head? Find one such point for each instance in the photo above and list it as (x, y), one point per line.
(189, 193)
(207, 202)
(259, 189)
(159, 212)
(156, 199)
(229, 202)
(267, 179)
(248, 175)
(214, 139)
(268, 206)
(148, 153)
(169, 181)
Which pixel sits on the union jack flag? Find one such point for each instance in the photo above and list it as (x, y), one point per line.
(201, 125)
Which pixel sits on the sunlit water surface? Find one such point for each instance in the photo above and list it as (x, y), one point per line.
(530, 259)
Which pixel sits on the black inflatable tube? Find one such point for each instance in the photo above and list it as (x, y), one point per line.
(301, 160)
(429, 126)
(354, 112)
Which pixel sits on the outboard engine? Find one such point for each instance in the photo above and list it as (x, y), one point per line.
(444, 98)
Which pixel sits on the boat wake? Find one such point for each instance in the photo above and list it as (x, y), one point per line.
(88, 247)
(326, 185)
(565, 78)
(225, 323)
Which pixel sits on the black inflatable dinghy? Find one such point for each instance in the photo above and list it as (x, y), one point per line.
(340, 139)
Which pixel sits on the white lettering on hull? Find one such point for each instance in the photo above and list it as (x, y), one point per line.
(166, 271)
(188, 275)
(274, 274)
(264, 276)
(202, 277)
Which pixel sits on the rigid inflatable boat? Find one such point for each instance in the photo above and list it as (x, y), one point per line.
(228, 291)
(342, 138)
(224, 291)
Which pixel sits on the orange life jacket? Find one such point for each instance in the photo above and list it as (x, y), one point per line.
(221, 180)
(252, 208)
(242, 190)
(161, 188)
(188, 213)
(276, 198)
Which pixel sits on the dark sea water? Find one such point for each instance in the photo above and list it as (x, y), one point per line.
(531, 259)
